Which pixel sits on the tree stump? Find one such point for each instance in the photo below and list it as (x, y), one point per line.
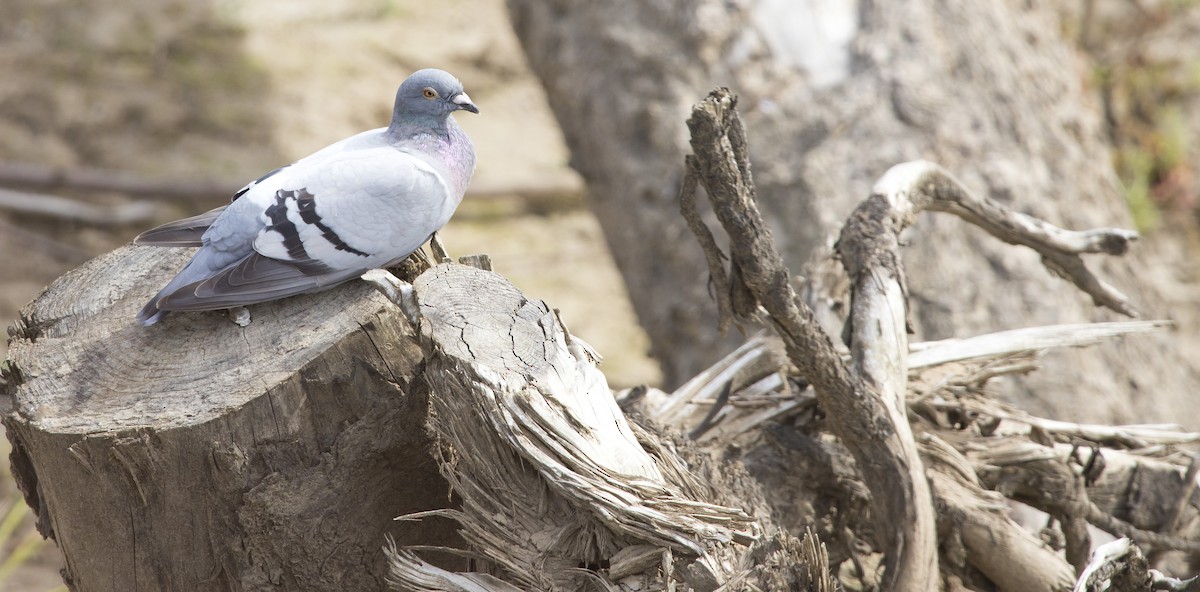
(200, 455)
(559, 490)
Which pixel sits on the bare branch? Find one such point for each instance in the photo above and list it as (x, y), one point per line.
(866, 413)
(1115, 526)
(712, 253)
(911, 187)
(933, 353)
(1043, 477)
(1126, 436)
(70, 209)
(1010, 557)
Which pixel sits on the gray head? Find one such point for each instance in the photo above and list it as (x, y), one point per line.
(428, 96)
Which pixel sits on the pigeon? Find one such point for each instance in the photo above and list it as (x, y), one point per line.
(365, 202)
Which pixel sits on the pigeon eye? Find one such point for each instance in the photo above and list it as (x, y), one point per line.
(429, 93)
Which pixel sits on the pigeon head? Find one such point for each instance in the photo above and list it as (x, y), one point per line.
(431, 94)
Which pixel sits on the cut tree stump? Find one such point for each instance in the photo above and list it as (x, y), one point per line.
(197, 455)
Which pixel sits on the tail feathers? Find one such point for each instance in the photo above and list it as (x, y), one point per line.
(150, 313)
(180, 233)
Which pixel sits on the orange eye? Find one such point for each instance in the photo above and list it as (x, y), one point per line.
(429, 93)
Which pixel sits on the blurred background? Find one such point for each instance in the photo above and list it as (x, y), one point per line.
(207, 95)
(213, 94)
(158, 110)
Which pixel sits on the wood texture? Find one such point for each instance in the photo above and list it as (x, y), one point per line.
(525, 414)
(198, 455)
(559, 490)
(865, 401)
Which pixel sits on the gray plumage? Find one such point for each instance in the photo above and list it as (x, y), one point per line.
(365, 202)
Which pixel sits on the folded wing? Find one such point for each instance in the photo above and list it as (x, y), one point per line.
(252, 280)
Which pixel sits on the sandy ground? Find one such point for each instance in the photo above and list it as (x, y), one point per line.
(226, 90)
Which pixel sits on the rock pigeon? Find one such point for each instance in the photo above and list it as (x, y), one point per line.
(365, 202)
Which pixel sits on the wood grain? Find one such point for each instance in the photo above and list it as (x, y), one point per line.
(198, 455)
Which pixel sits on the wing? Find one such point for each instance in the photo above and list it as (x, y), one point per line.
(356, 210)
(180, 233)
(251, 184)
(253, 280)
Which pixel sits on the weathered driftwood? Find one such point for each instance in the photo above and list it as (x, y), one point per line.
(908, 189)
(1119, 566)
(558, 490)
(751, 386)
(1116, 478)
(197, 455)
(865, 404)
(978, 534)
(986, 539)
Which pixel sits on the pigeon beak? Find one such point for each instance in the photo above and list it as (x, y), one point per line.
(464, 102)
